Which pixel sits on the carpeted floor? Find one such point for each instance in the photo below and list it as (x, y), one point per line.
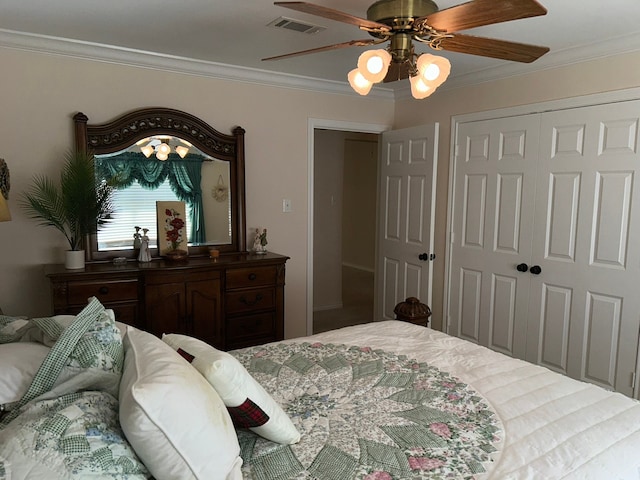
(357, 302)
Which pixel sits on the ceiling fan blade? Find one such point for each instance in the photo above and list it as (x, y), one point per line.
(332, 14)
(351, 43)
(491, 47)
(397, 71)
(478, 13)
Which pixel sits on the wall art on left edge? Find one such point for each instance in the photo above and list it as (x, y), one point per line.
(172, 229)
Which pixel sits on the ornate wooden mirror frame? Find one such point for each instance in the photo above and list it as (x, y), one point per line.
(129, 128)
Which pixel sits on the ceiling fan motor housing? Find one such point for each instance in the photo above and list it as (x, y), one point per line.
(399, 14)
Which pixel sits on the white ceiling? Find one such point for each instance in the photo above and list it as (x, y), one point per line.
(235, 32)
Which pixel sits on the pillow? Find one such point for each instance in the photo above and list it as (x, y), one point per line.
(19, 363)
(87, 355)
(248, 402)
(173, 418)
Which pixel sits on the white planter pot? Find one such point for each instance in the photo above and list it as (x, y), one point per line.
(74, 259)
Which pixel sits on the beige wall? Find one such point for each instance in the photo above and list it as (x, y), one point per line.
(607, 74)
(328, 165)
(360, 203)
(40, 93)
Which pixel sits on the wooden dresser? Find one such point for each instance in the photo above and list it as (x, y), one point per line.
(232, 302)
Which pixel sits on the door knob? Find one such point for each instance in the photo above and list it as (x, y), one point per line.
(523, 267)
(423, 256)
(536, 270)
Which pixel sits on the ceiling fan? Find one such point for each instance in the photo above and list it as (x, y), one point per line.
(400, 22)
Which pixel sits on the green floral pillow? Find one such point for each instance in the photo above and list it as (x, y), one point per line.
(87, 355)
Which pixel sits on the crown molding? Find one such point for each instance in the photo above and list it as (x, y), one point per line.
(554, 59)
(151, 60)
(144, 59)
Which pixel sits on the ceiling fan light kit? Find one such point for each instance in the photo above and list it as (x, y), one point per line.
(400, 22)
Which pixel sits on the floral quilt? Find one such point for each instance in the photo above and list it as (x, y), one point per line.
(367, 414)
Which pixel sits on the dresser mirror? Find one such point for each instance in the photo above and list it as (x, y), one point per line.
(166, 154)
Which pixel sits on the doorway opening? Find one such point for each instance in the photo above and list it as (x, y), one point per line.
(345, 199)
(320, 236)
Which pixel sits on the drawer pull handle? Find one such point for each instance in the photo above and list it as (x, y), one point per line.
(103, 290)
(251, 303)
(252, 276)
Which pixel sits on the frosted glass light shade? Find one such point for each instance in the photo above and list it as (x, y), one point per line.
(374, 64)
(161, 156)
(163, 149)
(182, 151)
(147, 150)
(357, 81)
(420, 88)
(432, 69)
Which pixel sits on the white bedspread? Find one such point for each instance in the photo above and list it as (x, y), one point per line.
(555, 427)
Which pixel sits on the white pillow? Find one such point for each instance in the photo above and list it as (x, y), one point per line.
(19, 363)
(174, 420)
(248, 402)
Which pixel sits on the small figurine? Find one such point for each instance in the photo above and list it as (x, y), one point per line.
(145, 254)
(263, 241)
(137, 240)
(260, 241)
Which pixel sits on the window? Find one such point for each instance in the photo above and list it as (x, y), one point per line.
(135, 206)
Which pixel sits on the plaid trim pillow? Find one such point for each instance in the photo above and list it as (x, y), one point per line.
(248, 415)
(247, 401)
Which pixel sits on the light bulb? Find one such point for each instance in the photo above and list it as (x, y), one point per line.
(357, 81)
(374, 64)
(163, 149)
(161, 156)
(432, 72)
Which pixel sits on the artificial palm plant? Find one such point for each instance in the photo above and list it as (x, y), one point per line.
(78, 206)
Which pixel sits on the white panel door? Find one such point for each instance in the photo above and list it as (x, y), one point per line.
(406, 217)
(572, 208)
(496, 168)
(585, 303)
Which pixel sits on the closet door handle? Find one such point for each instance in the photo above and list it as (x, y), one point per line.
(535, 270)
(523, 267)
(423, 256)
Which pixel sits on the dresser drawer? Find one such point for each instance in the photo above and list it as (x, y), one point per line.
(114, 291)
(249, 277)
(250, 330)
(250, 300)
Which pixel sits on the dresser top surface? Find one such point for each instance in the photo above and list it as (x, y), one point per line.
(133, 266)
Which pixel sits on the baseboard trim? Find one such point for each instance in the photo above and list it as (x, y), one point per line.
(358, 267)
(327, 307)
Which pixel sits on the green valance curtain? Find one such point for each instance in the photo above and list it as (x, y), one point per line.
(184, 174)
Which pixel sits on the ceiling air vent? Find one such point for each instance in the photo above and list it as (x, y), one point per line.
(296, 25)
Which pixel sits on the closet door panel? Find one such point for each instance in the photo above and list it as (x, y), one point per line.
(492, 225)
(586, 214)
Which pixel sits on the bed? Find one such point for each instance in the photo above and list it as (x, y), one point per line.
(93, 398)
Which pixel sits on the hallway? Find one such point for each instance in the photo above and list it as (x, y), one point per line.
(357, 302)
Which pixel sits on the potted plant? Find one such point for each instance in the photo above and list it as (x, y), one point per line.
(78, 206)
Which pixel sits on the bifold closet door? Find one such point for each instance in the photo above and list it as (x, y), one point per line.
(494, 201)
(585, 302)
(545, 257)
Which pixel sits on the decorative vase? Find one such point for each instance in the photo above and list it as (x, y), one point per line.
(74, 259)
(177, 255)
